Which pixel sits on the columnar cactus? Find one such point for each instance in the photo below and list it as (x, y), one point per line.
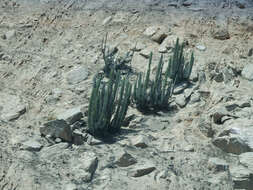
(153, 95)
(108, 105)
(178, 69)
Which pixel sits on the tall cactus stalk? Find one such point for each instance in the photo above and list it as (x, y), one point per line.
(108, 105)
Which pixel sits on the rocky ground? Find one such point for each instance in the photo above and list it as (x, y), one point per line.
(49, 53)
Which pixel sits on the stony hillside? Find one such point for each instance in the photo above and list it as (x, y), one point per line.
(51, 50)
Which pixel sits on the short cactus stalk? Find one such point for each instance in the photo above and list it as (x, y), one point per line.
(178, 69)
(153, 95)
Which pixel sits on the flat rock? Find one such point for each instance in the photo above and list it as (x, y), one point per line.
(77, 75)
(71, 115)
(125, 160)
(31, 145)
(246, 159)
(247, 72)
(83, 167)
(57, 129)
(49, 153)
(217, 164)
(237, 137)
(142, 170)
(242, 177)
(140, 141)
(11, 107)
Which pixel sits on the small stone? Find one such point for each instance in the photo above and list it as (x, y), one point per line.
(180, 88)
(77, 75)
(10, 34)
(201, 47)
(150, 31)
(187, 3)
(58, 140)
(141, 171)
(219, 77)
(140, 141)
(195, 97)
(31, 145)
(78, 137)
(57, 128)
(107, 20)
(247, 72)
(221, 34)
(126, 160)
(181, 100)
(217, 165)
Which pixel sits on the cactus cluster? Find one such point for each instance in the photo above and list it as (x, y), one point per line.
(108, 105)
(180, 70)
(109, 101)
(153, 94)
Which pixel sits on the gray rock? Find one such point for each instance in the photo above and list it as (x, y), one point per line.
(156, 33)
(242, 177)
(83, 167)
(218, 165)
(247, 72)
(150, 31)
(142, 170)
(77, 75)
(31, 145)
(125, 160)
(195, 97)
(57, 128)
(246, 159)
(78, 137)
(237, 137)
(140, 141)
(71, 115)
(180, 88)
(49, 153)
